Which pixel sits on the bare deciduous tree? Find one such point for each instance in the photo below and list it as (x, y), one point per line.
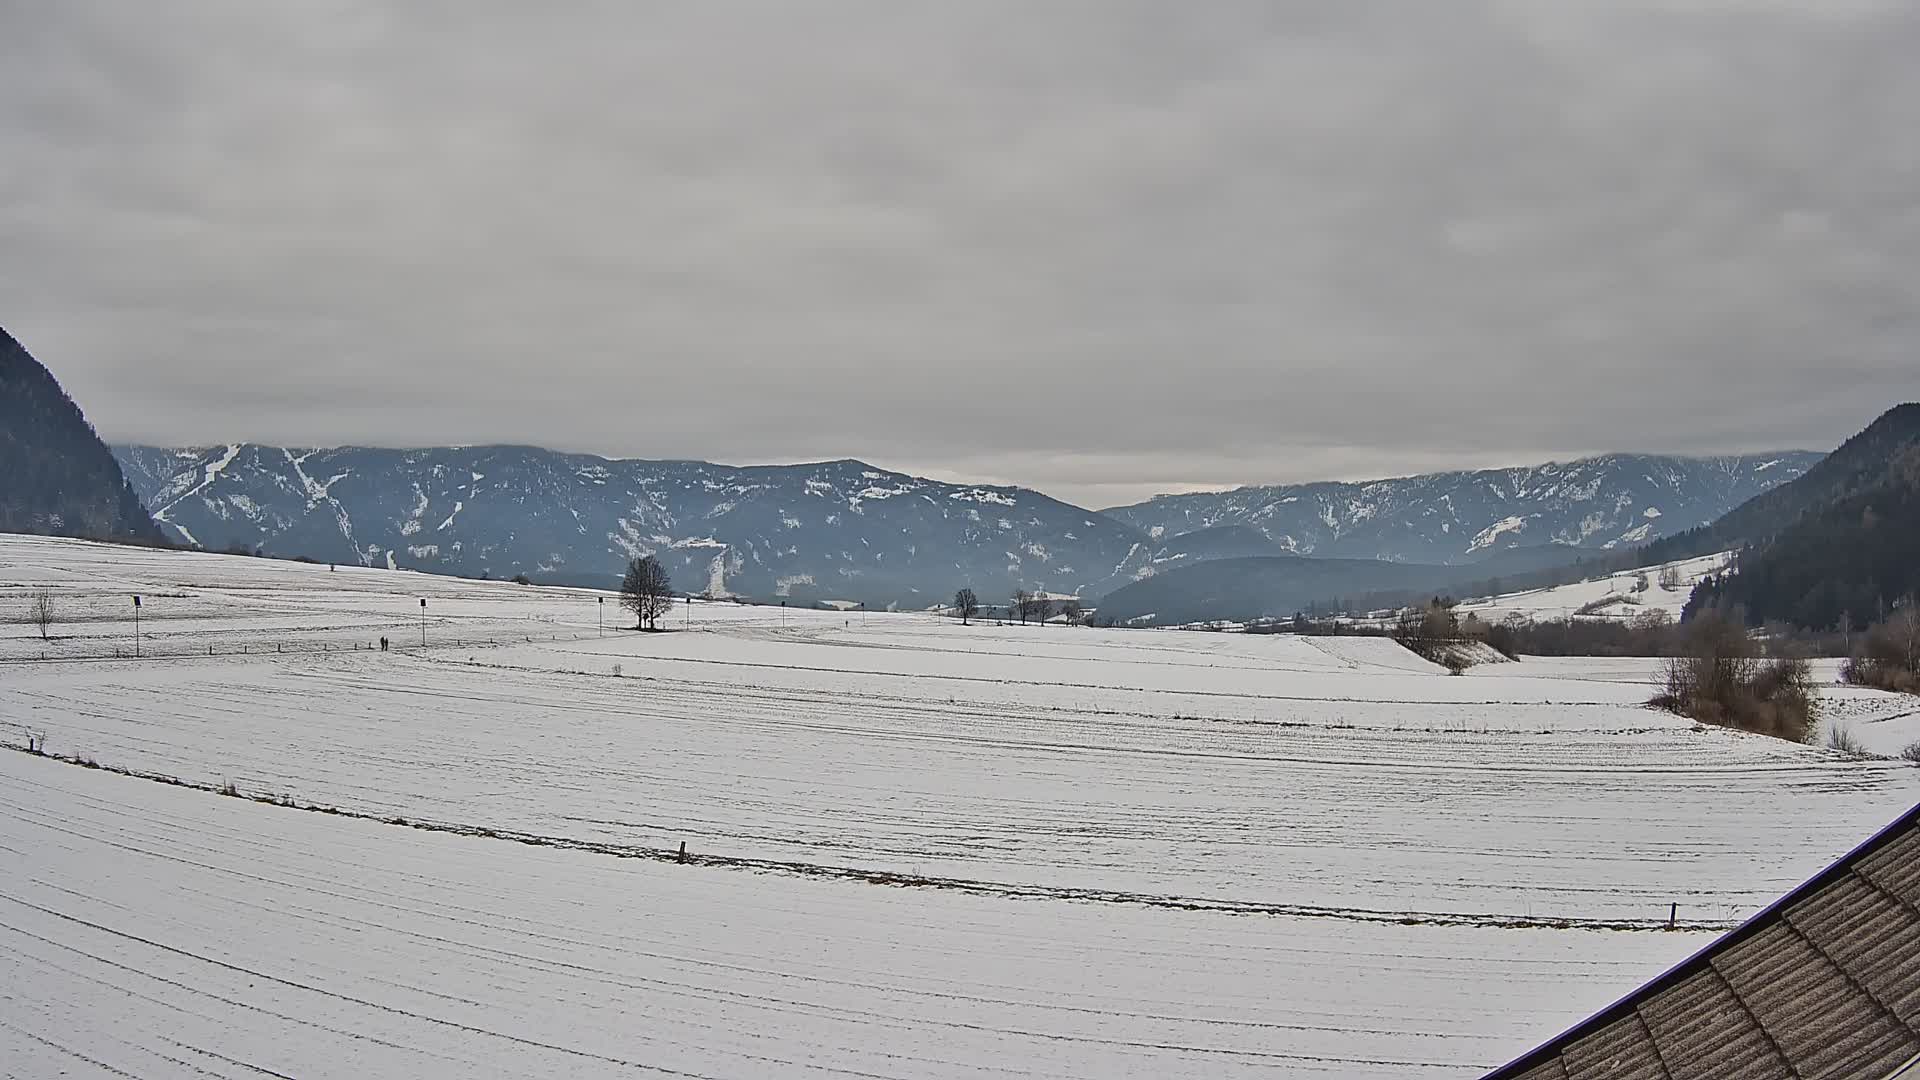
(40, 612)
(647, 591)
(1023, 605)
(966, 605)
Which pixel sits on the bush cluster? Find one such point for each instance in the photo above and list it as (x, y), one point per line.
(1720, 679)
(1889, 655)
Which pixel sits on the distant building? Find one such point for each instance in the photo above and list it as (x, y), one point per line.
(1824, 983)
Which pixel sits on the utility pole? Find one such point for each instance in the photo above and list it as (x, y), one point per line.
(423, 622)
(136, 625)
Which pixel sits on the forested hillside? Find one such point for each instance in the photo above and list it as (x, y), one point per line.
(1841, 544)
(56, 476)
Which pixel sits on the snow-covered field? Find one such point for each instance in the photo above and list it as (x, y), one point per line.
(918, 849)
(1615, 596)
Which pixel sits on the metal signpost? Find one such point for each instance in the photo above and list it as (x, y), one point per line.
(423, 622)
(136, 626)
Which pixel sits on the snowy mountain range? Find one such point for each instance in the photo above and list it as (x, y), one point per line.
(849, 531)
(1613, 501)
(832, 530)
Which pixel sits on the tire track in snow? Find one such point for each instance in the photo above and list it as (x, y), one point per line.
(978, 887)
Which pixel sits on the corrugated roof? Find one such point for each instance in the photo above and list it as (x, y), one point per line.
(1824, 983)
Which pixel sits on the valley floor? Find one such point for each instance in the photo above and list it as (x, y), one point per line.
(918, 849)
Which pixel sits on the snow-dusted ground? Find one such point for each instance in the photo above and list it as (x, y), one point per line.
(160, 932)
(1618, 595)
(1133, 852)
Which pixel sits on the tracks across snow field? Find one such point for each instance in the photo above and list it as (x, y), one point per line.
(158, 931)
(1249, 814)
(1501, 812)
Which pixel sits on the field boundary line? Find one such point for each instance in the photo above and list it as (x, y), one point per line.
(901, 879)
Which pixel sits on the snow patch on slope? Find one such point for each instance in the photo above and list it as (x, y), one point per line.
(1488, 536)
(982, 495)
(784, 586)
(211, 472)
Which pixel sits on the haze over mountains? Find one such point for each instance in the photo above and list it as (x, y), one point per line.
(1604, 502)
(847, 530)
(1822, 538)
(1831, 547)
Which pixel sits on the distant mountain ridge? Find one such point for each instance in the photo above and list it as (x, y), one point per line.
(56, 476)
(1606, 502)
(1857, 465)
(1266, 587)
(827, 530)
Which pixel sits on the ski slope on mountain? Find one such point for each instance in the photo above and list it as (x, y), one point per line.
(915, 848)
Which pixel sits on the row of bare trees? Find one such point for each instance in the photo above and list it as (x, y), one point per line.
(1026, 607)
(1039, 607)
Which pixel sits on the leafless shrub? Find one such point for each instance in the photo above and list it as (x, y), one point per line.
(40, 612)
(1842, 738)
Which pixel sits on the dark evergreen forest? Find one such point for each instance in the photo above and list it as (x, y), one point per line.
(1838, 548)
(56, 476)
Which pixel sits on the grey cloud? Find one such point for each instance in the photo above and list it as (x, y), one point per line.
(1101, 249)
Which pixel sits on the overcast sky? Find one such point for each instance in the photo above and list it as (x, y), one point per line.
(1104, 249)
